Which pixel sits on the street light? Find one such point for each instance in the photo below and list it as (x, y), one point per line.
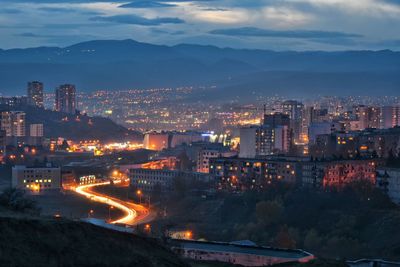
(147, 227)
(188, 235)
(109, 212)
(90, 213)
(139, 193)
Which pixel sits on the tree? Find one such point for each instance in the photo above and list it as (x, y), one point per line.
(179, 185)
(312, 240)
(283, 239)
(269, 212)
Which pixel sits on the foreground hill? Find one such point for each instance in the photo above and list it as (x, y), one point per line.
(41, 242)
(129, 64)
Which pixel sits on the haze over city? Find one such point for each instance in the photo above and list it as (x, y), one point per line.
(200, 133)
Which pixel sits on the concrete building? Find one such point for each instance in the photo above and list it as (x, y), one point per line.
(207, 153)
(36, 134)
(150, 179)
(320, 128)
(295, 111)
(2, 144)
(36, 130)
(234, 253)
(66, 98)
(256, 141)
(390, 117)
(14, 101)
(368, 117)
(338, 173)
(35, 94)
(36, 179)
(238, 174)
(388, 179)
(178, 138)
(13, 123)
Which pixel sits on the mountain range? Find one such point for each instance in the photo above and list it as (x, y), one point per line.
(127, 64)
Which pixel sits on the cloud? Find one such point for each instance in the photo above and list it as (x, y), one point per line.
(146, 4)
(68, 10)
(10, 11)
(305, 34)
(29, 34)
(137, 20)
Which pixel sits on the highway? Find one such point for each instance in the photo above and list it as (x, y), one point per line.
(133, 213)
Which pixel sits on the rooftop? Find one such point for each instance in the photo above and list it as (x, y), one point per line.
(243, 249)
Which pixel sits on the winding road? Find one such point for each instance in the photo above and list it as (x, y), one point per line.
(133, 213)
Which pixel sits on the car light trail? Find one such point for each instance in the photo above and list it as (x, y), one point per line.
(130, 214)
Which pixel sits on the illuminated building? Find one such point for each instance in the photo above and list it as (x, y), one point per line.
(207, 153)
(66, 98)
(156, 141)
(236, 174)
(368, 117)
(295, 111)
(390, 117)
(319, 128)
(276, 119)
(36, 179)
(338, 173)
(35, 94)
(2, 144)
(36, 134)
(14, 101)
(13, 123)
(258, 141)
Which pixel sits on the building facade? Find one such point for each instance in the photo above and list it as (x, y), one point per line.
(151, 179)
(36, 179)
(238, 174)
(35, 94)
(66, 98)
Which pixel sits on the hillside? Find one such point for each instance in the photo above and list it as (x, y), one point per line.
(84, 128)
(41, 242)
(129, 64)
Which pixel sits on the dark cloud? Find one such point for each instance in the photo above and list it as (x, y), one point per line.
(137, 20)
(257, 32)
(146, 4)
(159, 31)
(28, 34)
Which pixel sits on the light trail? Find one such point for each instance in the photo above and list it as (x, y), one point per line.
(130, 213)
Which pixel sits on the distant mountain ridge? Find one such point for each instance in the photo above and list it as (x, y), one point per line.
(113, 64)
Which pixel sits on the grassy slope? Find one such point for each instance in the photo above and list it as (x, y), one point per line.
(47, 242)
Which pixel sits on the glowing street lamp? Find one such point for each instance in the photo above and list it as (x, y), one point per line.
(109, 212)
(188, 235)
(147, 227)
(90, 213)
(139, 193)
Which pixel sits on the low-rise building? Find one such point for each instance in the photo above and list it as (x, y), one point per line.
(36, 179)
(150, 179)
(233, 253)
(241, 174)
(338, 173)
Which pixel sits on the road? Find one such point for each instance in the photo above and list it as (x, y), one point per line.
(133, 213)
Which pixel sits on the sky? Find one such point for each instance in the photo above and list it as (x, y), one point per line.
(262, 24)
